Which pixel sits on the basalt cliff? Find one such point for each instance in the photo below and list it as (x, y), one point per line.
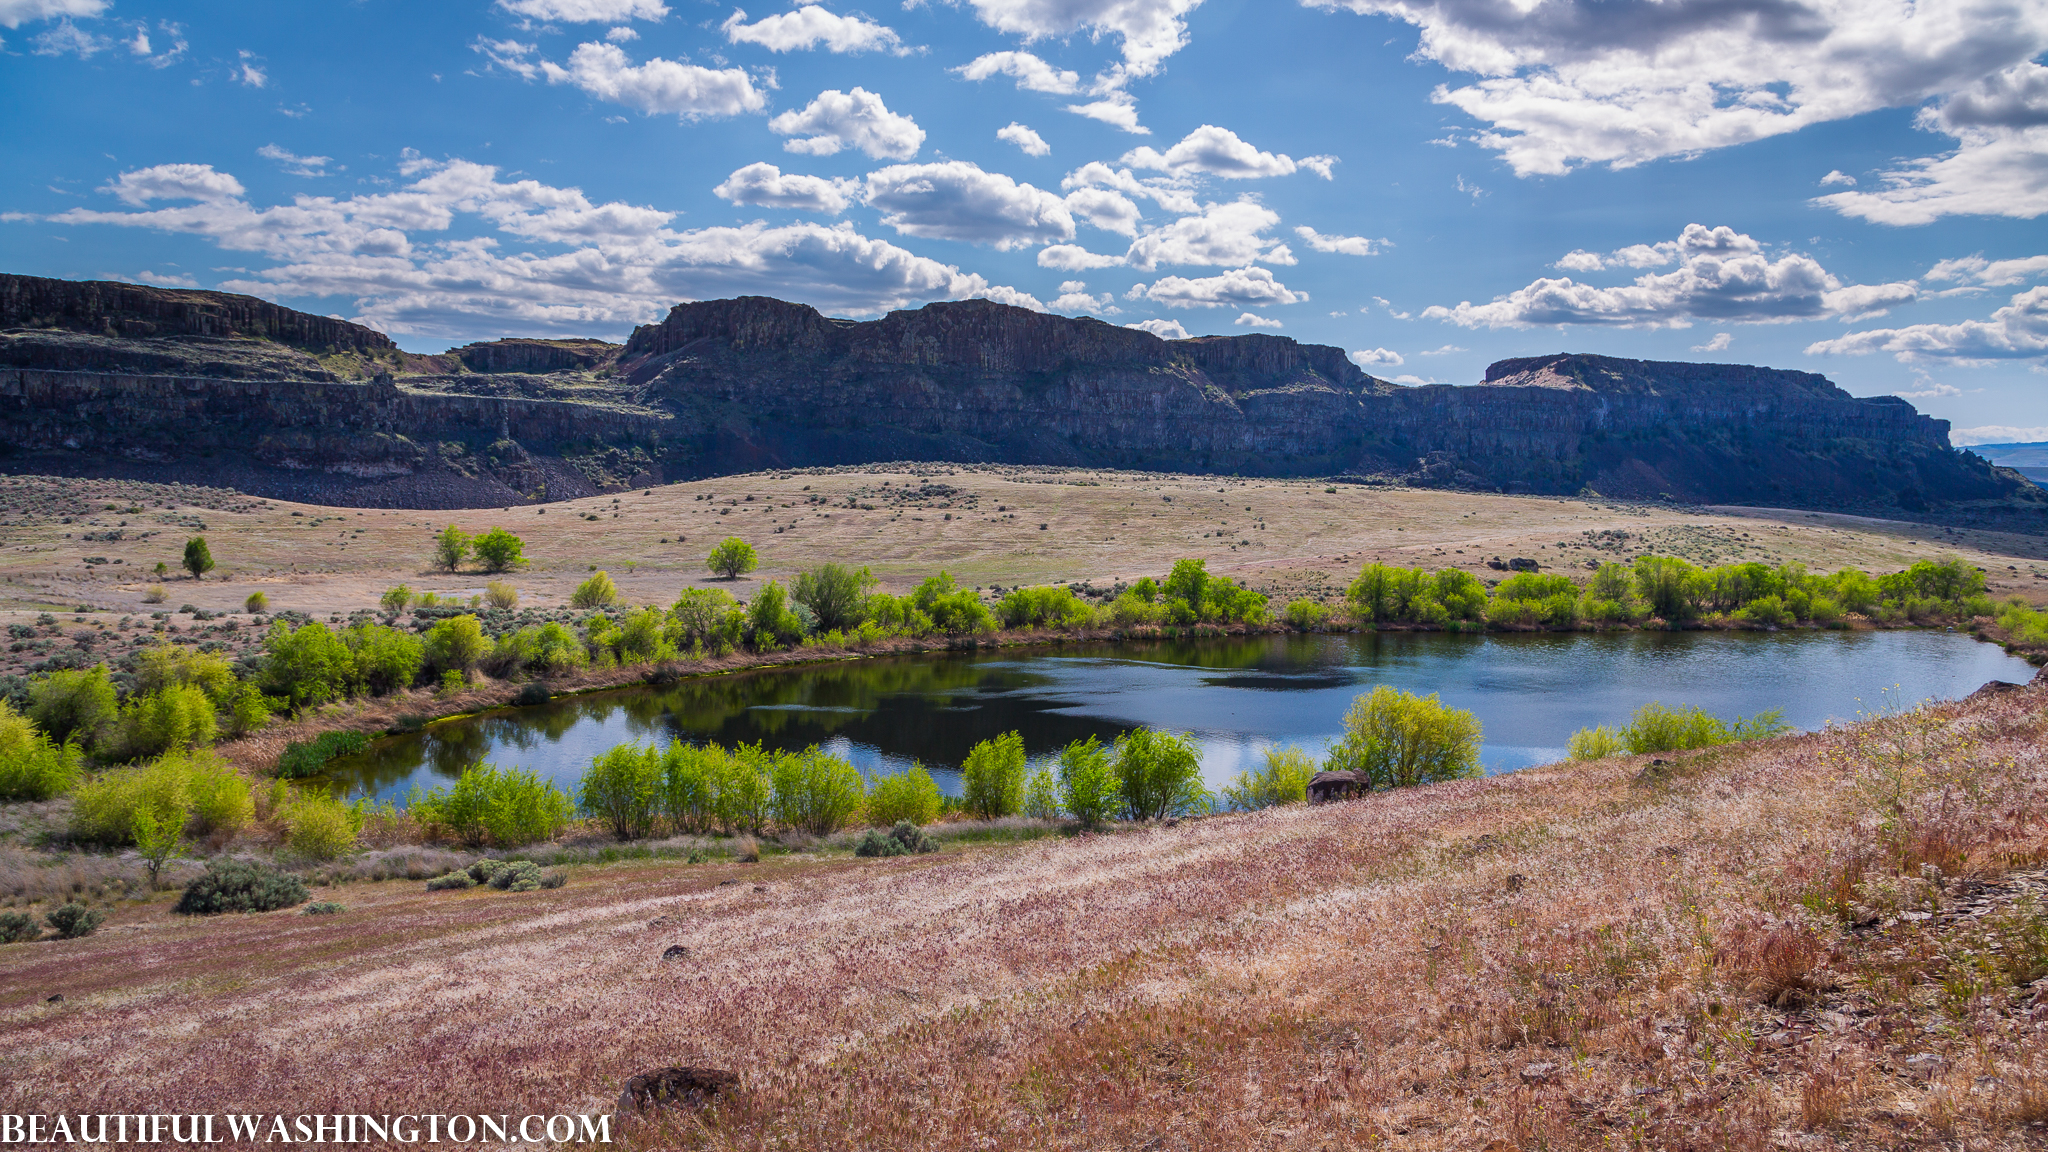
(119, 379)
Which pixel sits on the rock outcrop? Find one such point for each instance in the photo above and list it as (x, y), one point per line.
(277, 402)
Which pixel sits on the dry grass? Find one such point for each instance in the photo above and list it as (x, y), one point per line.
(1352, 976)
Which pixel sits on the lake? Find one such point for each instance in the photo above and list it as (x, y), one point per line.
(1239, 696)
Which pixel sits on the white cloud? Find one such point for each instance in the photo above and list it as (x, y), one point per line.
(1445, 350)
(1416, 381)
(956, 200)
(164, 280)
(248, 73)
(1721, 275)
(510, 55)
(1999, 168)
(1992, 273)
(684, 90)
(1377, 358)
(1031, 73)
(1213, 151)
(1254, 320)
(1166, 193)
(1719, 343)
(1569, 82)
(1580, 260)
(586, 11)
(296, 165)
(1383, 302)
(1149, 30)
(1237, 288)
(1031, 142)
(765, 186)
(605, 267)
(1074, 297)
(1223, 234)
(1117, 109)
(1074, 258)
(1837, 176)
(623, 34)
(15, 13)
(2018, 331)
(1164, 329)
(810, 27)
(1345, 245)
(856, 119)
(1997, 434)
(1929, 390)
(1323, 166)
(1104, 209)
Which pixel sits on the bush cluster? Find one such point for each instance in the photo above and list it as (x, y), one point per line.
(486, 805)
(1657, 728)
(905, 839)
(239, 886)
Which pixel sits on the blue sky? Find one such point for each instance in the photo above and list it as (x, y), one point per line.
(1851, 187)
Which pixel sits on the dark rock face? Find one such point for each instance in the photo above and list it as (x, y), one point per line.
(684, 1087)
(229, 386)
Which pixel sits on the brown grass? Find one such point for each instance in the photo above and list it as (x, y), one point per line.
(1351, 976)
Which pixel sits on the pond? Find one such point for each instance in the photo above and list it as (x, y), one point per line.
(1239, 696)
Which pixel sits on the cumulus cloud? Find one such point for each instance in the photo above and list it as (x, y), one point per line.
(15, 13)
(956, 200)
(811, 27)
(1166, 193)
(1031, 73)
(1031, 142)
(1929, 390)
(1721, 275)
(294, 164)
(856, 119)
(1164, 329)
(163, 279)
(1345, 245)
(1074, 297)
(248, 73)
(586, 11)
(1074, 258)
(1223, 234)
(1837, 176)
(1237, 288)
(1213, 151)
(598, 266)
(2018, 331)
(68, 39)
(1992, 273)
(1377, 358)
(1148, 30)
(766, 186)
(1999, 167)
(1104, 209)
(688, 91)
(1116, 108)
(1570, 82)
(1719, 343)
(511, 55)
(1254, 320)
(1997, 434)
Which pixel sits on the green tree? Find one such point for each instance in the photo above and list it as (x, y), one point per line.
(395, 598)
(835, 594)
(623, 788)
(306, 665)
(456, 644)
(1088, 785)
(732, 558)
(596, 592)
(198, 561)
(910, 795)
(451, 547)
(74, 705)
(1283, 780)
(1187, 584)
(816, 792)
(31, 767)
(179, 716)
(159, 839)
(1158, 774)
(499, 550)
(1393, 739)
(769, 619)
(992, 777)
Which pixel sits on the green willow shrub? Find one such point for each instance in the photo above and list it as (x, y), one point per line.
(623, 789)
(240, 886)
(910, 795)
(103, 808)
(1393, 739)
(31, 767)
(598, 591)
(74, 705)
(307, 665)
(223, 803)
(992, 777)
(1283, 780)
(1158, 775)
(816, 792)
(1043, 607)
(456, 644)
(179, 716)
(1306, 615)
(74, 920)
(256, 604)
(771, 622)
(1656, 728)
(383, 660)
(1088, 784)
(1596, 743)
(836, 595)
(507, 807)
(742, 792)
(319, 826)
(499, 551)
(396, 598)
(1042, 795)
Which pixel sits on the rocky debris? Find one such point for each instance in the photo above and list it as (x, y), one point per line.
(1514, 882)
(1523, 564)
(680, 1087)
(58, 998)
(539, 356)
(1994, 688)
(675, 952)
(1325, 787)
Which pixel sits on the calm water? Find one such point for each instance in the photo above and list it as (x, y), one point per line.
(1238, 696)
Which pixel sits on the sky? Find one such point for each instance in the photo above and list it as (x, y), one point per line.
(1849, 187)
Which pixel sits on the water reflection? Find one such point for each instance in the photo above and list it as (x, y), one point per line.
(1238, 695)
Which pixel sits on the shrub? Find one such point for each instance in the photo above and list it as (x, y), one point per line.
(623, 788)
(1088, 784)
(321, 908)
(1042, 795)
(155, 593)
(1284, 780)
(157, 841)
(74, 920)
(950, 608)
(1042, 607)
(451, 546)
(383, 659)
(31, 767)
(1306, 614)
(836, 595)
(396, 598)
(816, 792)
(705, 616)
(532, 694)
(905, 839)
(198, 561)
(1596, 743)
(18, 928)
(256, 603)
(596, 592)
(509, 807)
(1393, 739)
(319, 826)
(240, 886)
(103, 809)
(554, 878)
(500, 551)
(456, 644)
(1158, 774)
(1655, 728)
(741, 789)
(770, 622)
(517, 876)
(992, 777)
(179, 716)
(457, 880)
(910, 795)
(306, 665)
(501, 595)
(74, 705)
(732, 558)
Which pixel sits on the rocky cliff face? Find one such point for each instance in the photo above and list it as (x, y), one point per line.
(732, 385)
(112, 308)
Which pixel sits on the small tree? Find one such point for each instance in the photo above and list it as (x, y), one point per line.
(1088, 786)
(1393, 739)
(159, 839)
(456, 644)
(501, 594)
(1159, 775)
(451, 547)
(770, 620)
(256, 603)
(732, 558)
(395, 598)
(992, 777)
(596, 592)
(162, 570)
(835, 594)
(500, 551)
(198, 561)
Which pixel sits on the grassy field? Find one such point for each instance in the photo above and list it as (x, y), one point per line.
(94, 543)
(1828, 940)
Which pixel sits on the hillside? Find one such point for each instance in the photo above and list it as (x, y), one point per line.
(158, 384)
